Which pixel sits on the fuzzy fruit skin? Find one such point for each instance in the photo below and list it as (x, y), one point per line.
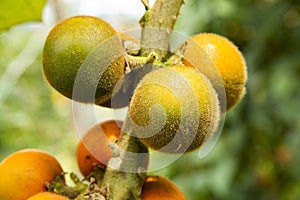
(25, 173)
(93, 147)
(47, 196)
(184, 109)
(67, 46)
(160, 188)
(228, 60)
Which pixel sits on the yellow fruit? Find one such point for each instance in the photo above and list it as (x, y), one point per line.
(26, 172)
(160, 188)
(174, 109)
(228, 60)
(83, 59)
(48, 196)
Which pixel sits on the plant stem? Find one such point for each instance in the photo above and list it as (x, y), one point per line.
(157, 25)
(125, 173)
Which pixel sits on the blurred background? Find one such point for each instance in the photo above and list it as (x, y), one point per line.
(257, 155)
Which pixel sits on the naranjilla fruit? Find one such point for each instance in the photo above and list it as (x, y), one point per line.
(160, 188)
(228, 60)
(48, 196)
(83, 59)
(174, 109)
(26, 173)
(93, 147)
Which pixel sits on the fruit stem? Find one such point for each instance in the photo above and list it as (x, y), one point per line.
(59, 186)
(134, 62)
(157, 24)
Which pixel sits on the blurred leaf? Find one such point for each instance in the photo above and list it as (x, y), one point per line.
(16, 11)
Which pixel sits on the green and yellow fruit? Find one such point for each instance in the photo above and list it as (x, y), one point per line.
(174, 109)
(228, 60)
(83, 59)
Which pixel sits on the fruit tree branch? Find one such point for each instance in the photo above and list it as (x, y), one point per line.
(125, 174)
(157, 25)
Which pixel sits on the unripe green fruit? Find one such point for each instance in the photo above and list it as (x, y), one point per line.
(76, 59)
(174, 109)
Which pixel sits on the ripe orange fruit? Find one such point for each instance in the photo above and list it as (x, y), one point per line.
(228, 60)
(93, 147)
(48, 196)
(160, 188)
(25, 173)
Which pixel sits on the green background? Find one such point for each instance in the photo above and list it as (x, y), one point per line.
(257, 155)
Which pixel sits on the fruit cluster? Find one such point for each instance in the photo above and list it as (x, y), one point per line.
(174, 105)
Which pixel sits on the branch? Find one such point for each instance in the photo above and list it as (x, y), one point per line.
(157, 25)
(125, 173)
(126, 170)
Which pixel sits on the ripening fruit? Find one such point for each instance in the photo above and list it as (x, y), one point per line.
(83, 59)
(93, 147)
(160, 188)
(174, 109)
(228, 60)
(48, 196)
(26, 172)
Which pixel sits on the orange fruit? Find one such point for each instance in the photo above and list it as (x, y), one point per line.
(93, 147)
(47, 196)
(228, 60)
(25, 173)
(160, 188)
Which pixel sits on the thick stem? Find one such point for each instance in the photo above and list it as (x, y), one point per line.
(125, 172)
(157, 25)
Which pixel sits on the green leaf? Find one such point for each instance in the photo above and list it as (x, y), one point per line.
(13, 12)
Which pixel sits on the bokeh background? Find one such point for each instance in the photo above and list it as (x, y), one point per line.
(257, 155)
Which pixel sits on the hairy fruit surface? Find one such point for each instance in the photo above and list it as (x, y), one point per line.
(83, 59)
(228, 60)
(174, 109)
